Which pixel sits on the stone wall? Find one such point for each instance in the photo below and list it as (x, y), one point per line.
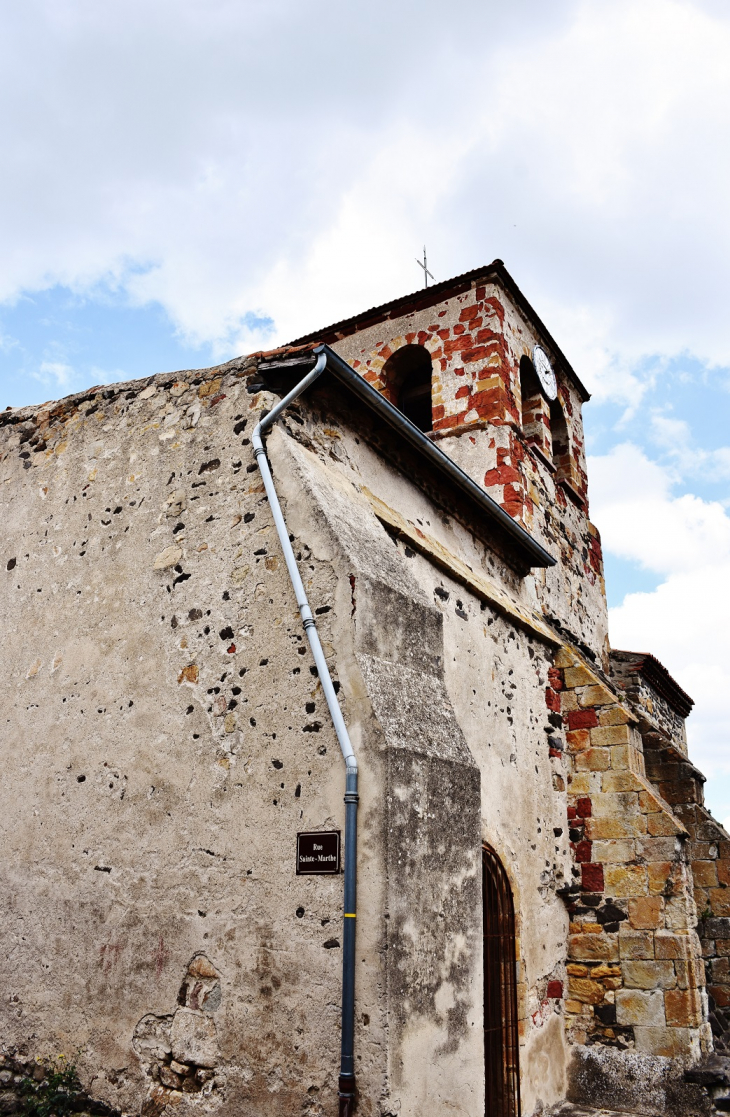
(165, 739)
(680, 784)
(636, 978)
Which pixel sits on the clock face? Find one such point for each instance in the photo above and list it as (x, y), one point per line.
(545, 373)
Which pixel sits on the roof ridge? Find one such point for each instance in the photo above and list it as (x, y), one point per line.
(429, 296)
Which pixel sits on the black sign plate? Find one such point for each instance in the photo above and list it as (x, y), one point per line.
(318, 852)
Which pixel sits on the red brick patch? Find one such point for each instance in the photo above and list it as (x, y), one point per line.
(592, 877)
(582, 719)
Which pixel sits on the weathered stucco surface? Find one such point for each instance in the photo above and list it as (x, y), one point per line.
(166, 738)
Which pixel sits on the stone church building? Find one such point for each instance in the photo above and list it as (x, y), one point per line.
(538, 904)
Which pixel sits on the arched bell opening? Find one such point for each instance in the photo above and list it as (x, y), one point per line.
(501, 1037)
(408, 376)
(560, 439)
(530, 391)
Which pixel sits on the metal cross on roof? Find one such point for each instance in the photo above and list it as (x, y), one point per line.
(424, 265)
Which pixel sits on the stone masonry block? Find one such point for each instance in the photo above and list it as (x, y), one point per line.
(568, 701)
(578, 739)
(636, 945)
(723, 871)
(592, 878)
(573, 969)
(564, 657)
(594, 948)
(716, 928)
(720, 994)
(673, 1043)
(656, 849)
(587, 991)
(594, 760)
(584, 807)
(613, 851)
(648, 803)
(614, 715)
(704, 874)
(598, 973)
(701, 899)
(720, 901)
(616, 805)
(649, 975)
(659, 873)
(683, 971)
(635, 1006)
(669, 945)
(582, 719)
(679, 913)
(597, 828)
(610, 735)
(620, 781)
(193, 1038)
(720, 971)
(584, 783)
(683, 1008)
(646, 912)
(626, 880)
(597, 695)
(661, 824)
(577, 676)
(620, 757)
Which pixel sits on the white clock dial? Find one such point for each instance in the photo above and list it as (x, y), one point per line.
(545, 373)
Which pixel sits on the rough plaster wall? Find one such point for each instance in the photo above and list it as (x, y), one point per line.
(428, 919)
(495, 685)
(164, 742)
(570, 594)
(496, 680)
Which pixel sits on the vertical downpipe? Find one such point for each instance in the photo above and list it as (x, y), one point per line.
(347, 1045)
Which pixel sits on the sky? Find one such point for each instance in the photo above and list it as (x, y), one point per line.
(188, 180)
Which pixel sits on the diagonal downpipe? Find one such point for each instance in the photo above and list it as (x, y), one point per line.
(347, 1056)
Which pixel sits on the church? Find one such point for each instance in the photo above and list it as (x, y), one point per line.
(324, 788)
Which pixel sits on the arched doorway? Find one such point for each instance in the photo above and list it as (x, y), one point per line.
(501, 1043)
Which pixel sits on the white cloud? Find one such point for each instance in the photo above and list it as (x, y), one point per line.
(685, 622)
(288, 161)
(57, 373)
(640, 520)
(107, 376)
(674, 437)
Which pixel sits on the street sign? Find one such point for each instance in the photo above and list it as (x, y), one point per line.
(318, 852)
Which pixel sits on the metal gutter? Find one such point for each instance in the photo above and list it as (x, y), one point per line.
(347, 1045)
(429, 450)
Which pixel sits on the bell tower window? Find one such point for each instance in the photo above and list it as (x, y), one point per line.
(534, 409)
(560, 440)
(408, 375)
